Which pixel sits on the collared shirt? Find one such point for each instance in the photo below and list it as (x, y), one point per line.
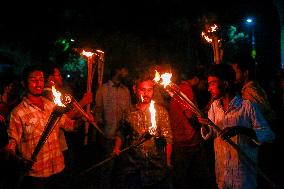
(27, 123)
(149, 157)
(185, 131)
(111, 102)
(252, 91)
(231, 170)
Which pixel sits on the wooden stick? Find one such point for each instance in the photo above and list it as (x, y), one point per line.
(89, 89)
(176, 93)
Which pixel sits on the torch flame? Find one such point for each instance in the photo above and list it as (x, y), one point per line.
(152, 129)
(57, 97)
(213, 28)
(157, 77)
(166, 78)
(207, 38)
(87, 54)
(100, 51)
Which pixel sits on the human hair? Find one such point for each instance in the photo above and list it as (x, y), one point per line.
(49, 70)
(143, 76)
(245, 62)
(222, 71)
(28, 70)
(114, 67)
(198, 71)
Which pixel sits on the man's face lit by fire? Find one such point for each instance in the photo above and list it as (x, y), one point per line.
(145, 91)
(216, 87)
(35, 83)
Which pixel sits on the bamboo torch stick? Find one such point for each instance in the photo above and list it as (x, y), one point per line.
(100, 67)
(90, 62)
(174, 91)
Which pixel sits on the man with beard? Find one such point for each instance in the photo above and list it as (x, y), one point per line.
(112, 98)
(144, 166)
(240, 120)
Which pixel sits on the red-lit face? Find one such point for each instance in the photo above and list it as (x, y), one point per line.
(35, 83)
(145, 91)
(215, 87)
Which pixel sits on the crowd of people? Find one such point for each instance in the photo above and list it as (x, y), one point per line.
(218, 148)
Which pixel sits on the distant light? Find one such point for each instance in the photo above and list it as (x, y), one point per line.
(72, 40)
(68, 76)
(249, 20)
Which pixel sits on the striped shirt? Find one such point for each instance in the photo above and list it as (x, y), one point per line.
(27, 123)
(232, 171)
(111, 102)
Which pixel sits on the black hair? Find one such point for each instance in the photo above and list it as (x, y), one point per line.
(245, 62)
(222, 71)
(143, 76)
(114, 67)
(49, 70)
(29, 69)
(198, 71)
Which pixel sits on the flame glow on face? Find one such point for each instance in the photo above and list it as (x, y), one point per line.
(152, 129)
(57, 97)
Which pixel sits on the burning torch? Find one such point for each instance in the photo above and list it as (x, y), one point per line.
(175, 92)
(90, 62)
(55, 116)
(143, 138)
(211, 37)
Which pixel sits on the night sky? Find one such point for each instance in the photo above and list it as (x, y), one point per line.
(155, 24)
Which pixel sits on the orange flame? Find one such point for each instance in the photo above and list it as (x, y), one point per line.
(210, 31)
(87, 54)
(207, 38)
(152, 129)
(166, 78)
(213, 28)
(100, 51)
(57, 97)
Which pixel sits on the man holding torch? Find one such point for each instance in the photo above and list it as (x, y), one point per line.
(190, 167)
(27, 124)
(146, 165)
(240, 121)
(54, 79)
